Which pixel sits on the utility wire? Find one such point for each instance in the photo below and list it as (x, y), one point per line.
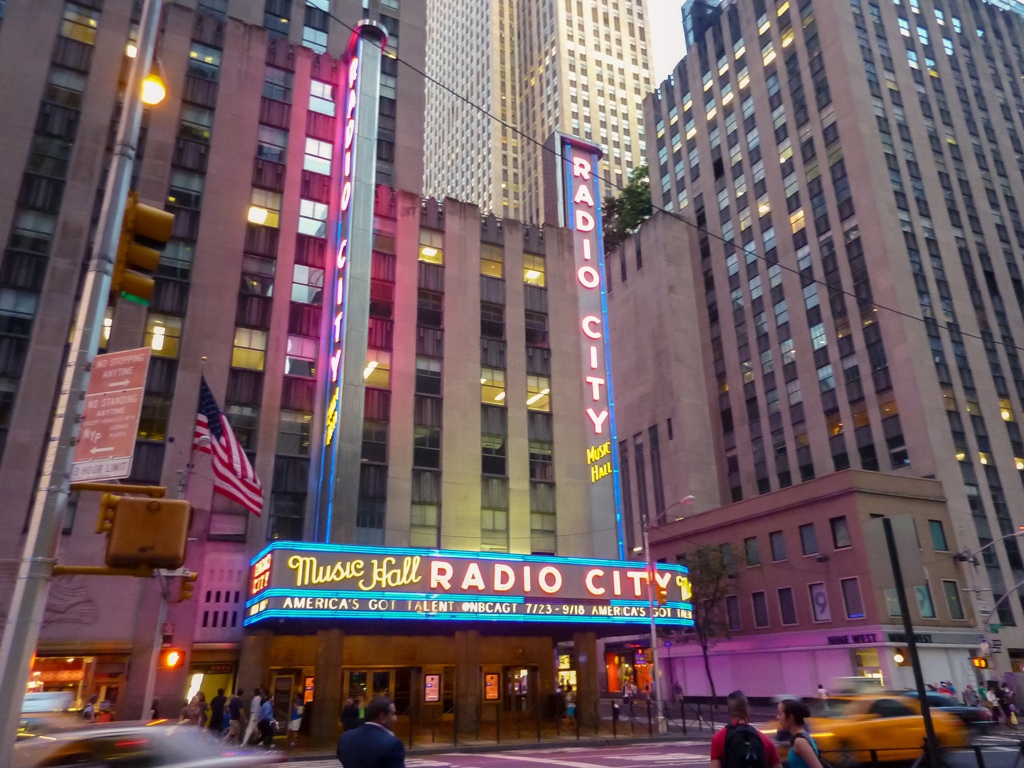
(728, 243)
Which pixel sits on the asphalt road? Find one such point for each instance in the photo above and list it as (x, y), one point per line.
(998, 751)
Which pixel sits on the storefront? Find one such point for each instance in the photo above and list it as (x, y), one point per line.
(461, 637)
(796, 662)
(79, 677)
(627, 662)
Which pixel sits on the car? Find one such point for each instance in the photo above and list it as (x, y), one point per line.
(134, 744)
(977, 718)
(849, 728)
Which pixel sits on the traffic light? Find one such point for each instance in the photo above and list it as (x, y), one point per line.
(980, 662)
(186, 585)
(171, 658)
(144, 532)
(662, 594)
(144, 232)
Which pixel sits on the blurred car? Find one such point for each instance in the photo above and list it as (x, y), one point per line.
(849, 728)
(978, 718)
(134, 744)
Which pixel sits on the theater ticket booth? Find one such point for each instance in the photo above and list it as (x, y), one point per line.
(450, 637)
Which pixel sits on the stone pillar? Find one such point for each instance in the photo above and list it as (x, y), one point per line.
(131, 704)
(327, 686)
(252, 661)
(467, 679)
(587, 693)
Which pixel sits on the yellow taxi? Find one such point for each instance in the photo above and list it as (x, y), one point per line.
(892, 725)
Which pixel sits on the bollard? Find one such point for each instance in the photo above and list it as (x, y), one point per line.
(410, 728)
(455, 726)
(650, 723)
(874, 758)
(497, 723)
(576, 722)
(615, 719)
(537, 710)
(979, 757)
(682, 712)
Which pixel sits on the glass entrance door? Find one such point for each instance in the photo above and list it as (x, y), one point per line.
(367, 683)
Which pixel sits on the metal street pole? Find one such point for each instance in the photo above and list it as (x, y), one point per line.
(931, 744)
(28, 602)
(651, 571)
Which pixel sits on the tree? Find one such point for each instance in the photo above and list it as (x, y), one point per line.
(622, 214)
(712, 578)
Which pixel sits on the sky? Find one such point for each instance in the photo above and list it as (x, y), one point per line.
(667, 33)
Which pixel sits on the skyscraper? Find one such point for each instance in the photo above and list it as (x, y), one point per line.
(580, 67)
(839, 155)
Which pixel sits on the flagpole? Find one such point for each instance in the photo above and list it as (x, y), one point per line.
(183, 487)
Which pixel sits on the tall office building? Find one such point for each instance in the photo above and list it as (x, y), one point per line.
(579, 67)
(838, 155)
(474, 426)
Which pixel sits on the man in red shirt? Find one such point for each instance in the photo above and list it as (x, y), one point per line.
(739, 713)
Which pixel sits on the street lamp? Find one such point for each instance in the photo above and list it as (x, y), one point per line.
(153, 89)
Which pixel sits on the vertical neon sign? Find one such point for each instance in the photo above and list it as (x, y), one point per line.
(347, 288)
(582, 214)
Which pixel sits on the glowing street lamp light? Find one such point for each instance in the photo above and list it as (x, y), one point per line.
(153, 89)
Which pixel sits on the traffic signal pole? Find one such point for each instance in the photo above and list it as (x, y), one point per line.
(35, 570)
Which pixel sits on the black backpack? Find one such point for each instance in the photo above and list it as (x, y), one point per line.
(743, 747)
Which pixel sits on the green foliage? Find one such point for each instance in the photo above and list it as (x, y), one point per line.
(622, 214)
(712, 577)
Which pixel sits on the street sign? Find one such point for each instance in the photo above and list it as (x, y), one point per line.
(997, 643)
(110, 419)
(994, 628)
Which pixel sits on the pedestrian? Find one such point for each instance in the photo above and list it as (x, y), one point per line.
(971, 697)
(993, 702)
(1005, 699)
(739, 744)
(236, 717)
(373, 744)
(154, 711)
(217, 704)
(803, 752)
(267, 725)
(570, 703)
(823, 697)
(677, 692)
(627, 694)
(295, 722)
(254, 715)
(89, 710)
(350, 715)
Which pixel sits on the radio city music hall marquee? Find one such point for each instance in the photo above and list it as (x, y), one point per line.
(322, 581)
(580, 195)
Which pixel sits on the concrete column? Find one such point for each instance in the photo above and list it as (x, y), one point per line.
(252, 661)
(327, 685)
(587, 693)
(131, 704)
(467, 679)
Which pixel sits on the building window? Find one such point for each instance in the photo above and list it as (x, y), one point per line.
(541, 460)
(787, 606)
(293, 433)
(492, 321)
(265, 208)
(892, 603)
(428, 376)
(494, 530)
(494, 460)
(753, 553)
(809, 539)
(851, 598)
(318, 156)
(820, 610)
(423, 525)
(491, 261)
(778, 542)
(924, 601)
(533, 269)
(840, 532)
(204, 62)
(163, 335)
(956, 607)
(377, 372)
(287, 513)
(426, 450)
(430, 309)
(277, 84)
(307, 285)
(538, 393)
(938, 536)
(760, 609)
(492, 386)
(250, 349)
(273, 144)
(79, 23)
(732, 611)
(312, 218)
(431, 249)
(321, 97)
(245, 422)
(300, 358)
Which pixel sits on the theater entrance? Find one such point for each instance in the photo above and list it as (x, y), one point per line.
(395, 683)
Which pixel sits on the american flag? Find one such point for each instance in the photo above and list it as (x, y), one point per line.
(233, 475)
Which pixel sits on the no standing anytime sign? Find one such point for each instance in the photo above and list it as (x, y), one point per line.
(110, 419)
